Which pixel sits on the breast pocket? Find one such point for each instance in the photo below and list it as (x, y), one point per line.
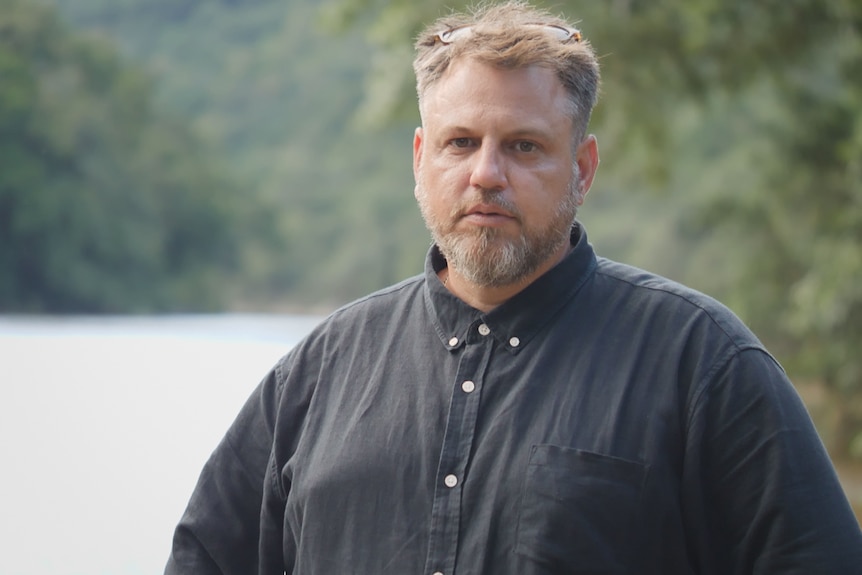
(578, 510)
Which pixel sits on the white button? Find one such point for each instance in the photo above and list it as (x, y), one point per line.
(453, 342)
(514, 342)
(450, 481)
(468, 386)
(484, 329)
(438, 573)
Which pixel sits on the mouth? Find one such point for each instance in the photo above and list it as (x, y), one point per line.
(490, 209)
(488, 215)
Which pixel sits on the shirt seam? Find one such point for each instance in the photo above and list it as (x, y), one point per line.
(735, 348)
(273, 477)
(681, 296)
(707, 382)
(242, 464)
(407, 283)
(272, 468)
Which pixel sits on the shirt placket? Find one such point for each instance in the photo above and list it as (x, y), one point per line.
(455, 454)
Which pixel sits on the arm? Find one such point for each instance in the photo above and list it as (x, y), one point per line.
(218, 533)
(760, 493)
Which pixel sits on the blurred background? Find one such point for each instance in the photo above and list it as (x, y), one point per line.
(209, 167)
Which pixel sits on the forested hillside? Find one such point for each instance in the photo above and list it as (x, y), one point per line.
(276, 95)
(106, 204)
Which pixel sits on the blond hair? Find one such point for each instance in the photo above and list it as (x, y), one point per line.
(511, 35)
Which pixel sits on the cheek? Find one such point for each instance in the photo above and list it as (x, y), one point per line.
(441, 185)
(447, 169)
(543, 197)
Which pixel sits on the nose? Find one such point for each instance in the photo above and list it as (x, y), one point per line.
(489, 169)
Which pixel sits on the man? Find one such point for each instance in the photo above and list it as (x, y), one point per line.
(524, 407)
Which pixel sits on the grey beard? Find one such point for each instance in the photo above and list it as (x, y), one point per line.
(487, 258)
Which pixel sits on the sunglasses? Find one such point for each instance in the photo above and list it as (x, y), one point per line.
(563, 34)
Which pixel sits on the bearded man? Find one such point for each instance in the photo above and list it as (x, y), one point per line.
(523, 407)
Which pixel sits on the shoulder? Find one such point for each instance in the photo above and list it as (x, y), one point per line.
(352, 326)
(669, 304)
(373, 311)
(379, 305)
(653, 287)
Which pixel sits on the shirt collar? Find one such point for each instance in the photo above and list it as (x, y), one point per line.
(516, 322)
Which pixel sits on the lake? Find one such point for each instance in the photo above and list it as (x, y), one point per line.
(105, 424)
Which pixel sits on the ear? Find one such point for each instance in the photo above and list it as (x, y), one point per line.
(587, 157)
(417, 153)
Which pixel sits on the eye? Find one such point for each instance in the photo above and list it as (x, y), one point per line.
(461, 142)
(525, 146)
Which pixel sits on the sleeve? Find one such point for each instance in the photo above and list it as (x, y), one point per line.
(219, 531)
(759, 491)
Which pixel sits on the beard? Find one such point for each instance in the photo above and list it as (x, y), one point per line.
(487, 256)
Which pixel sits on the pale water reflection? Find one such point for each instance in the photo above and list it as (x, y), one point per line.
(105, 424)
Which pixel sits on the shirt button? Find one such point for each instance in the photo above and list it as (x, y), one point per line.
(438, 573)
(514, 342)
(468, 386)
(484, 329)
(450, 481)
(453, 342)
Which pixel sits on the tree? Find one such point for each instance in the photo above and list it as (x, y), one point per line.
(274, 95)
(105, 205)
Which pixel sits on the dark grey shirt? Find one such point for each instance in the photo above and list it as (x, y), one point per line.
(602, 421)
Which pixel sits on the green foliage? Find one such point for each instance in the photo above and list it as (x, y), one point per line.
(104, 205)
(277, 95)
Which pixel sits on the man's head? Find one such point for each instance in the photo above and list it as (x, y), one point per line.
(509, 36)
(501, 160)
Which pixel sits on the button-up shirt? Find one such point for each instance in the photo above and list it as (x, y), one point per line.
(604, 420)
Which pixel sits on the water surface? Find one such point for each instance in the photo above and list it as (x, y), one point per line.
(105, 424)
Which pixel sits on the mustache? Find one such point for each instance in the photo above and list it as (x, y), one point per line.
(488, 198)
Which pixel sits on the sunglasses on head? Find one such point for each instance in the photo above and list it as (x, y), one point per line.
(562, 33)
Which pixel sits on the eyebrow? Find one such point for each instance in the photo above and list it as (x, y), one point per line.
(527, 132)
(531, 133)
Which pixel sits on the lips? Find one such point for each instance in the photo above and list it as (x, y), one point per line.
(489, 210)
(488, 215)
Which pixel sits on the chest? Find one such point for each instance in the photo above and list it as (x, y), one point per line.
(407, 414)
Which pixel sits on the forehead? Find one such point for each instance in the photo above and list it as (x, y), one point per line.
(473, 92)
